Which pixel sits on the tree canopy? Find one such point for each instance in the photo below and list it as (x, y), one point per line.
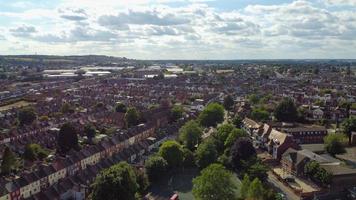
(206, 154)
(89, 131)
(155, 166)
(190, 134)
(228, 102)
(242, 150)
(313, 170)
(34, 152)
(9, 161)
(334, 143)
(348, 126)
(120, 107)
(176, 113)
(260, 114)
(117, 182)
(67, 138)
(172, 152)
(286, 111)
(224, 131)
(132, 117)
(27, 116)
(214, 183)
(212, 115)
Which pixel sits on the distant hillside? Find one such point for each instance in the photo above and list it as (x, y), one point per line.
(41, 60)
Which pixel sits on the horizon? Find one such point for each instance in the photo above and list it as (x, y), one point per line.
(181, 29)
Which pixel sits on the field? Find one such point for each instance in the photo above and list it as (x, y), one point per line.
(18, 104)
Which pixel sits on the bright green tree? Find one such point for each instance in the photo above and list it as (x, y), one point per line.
(214, 183)
(212, 115)
(117, 182)
(190, 134)
(256, 190)
(206, 154)
(172, 152)
(349, 126)
(334, 143)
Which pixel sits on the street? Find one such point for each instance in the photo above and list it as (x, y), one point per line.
(279, 186)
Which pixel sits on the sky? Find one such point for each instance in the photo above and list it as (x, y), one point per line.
(181, 29)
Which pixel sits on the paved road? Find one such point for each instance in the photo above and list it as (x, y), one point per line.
(272, 179)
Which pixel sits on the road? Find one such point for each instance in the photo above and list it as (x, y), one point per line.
(279, 186)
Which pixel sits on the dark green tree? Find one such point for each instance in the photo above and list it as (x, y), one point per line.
(286, 111)
(90, 132)
(237, 121)
(8, 161)
(132, 117)
(67, 138)
(172, 152)
(190, 134)
(241, 151)
(349, 126)
(120, 107)
(156, 168)
(212, 115)
(117, 182)
(233, 136)
(206, 154)
(228, 102)
(188, 158)
(214, 183)
(26, 116)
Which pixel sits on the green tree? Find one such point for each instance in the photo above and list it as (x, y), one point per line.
(131, 117)
(241, 151)
(188, 158)
(349, 126)
(259, 114)
(256, 190)
(34, 151)
(176, 113)
(27, 116)
(206, 154)
(156, 167)
(8, 161)
(313, 170)
(237, 121)
(120, 107)
(286, 111)
(67, 138)
(257, 170)
(117, 182)
(214, 183)
(228, 102)
(190, 134)
(334, 143)
(233, 136)
(172, 152)
(224, 131)
(142, 181)
(253, 99)
(245, 185)
(212, 115)
(90, 131)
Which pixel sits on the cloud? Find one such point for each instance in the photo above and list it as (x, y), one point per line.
(73, 14)
(23, 31)
(150, 17)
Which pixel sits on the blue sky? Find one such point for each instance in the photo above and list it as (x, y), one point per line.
(181, 29)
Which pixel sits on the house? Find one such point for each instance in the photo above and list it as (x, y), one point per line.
(293, 161)
(307, 134)
(279, 142)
